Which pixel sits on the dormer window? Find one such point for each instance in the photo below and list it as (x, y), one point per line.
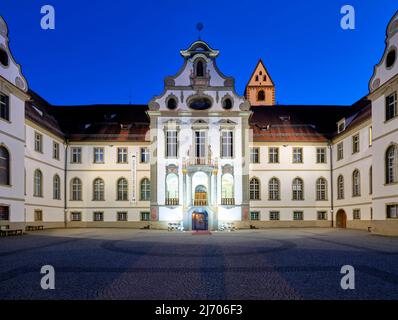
(200, 69)
(341, 126)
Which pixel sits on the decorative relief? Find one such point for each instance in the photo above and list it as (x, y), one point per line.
(228, 169)
(153, 106)
(20, 83)
(245, 106)
(172, 168)
(169, 82)
(376, 83)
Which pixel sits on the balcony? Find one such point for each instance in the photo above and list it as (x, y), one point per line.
(172, 201)
(200, 202)
(228, 201)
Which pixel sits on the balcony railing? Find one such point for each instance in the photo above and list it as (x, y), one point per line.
(200, 202)
(172, 201)
(227, 201)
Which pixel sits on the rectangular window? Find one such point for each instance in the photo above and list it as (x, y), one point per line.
(4, 107)
(227, 144)
(273, 155)
(274, 215)
(297, 155)
(98, 216)
(200, 146)
(144, 157)
(38, 142)
(370, 136)
(321, 155)
(122, 216)
(38, 215)
(55, 150)
(76, 155)
(122, 155)
(254, 215)
(76, 216)
(4, 213)
(391, 106)
(254, 155)
(355, 143)
(99, 155)
(322, 215)
(298, 215)
(145, 216)
(171, 144)
(392, 211)
(340, 151)
(356, 214)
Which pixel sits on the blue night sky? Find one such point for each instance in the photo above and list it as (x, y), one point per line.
(105, 51)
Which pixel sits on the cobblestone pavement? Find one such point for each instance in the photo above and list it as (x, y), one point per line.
(148, 264)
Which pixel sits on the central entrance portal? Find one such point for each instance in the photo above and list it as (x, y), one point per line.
(199, 220)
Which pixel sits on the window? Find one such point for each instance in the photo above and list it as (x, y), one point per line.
(76, 189)
(261, 95)
(145, 216)
(227, 144)
(171, 104)
(4, 166)
(122, 189)
(76, 155)
(38, 184)
(274, 215)
(340, 187)
(391, 106)
(298, 215)
(254, 155)
(356, 214)
(321, 155)
(55, 150)
(145, 190)
(122, 216)
(98, 216)
(122, 155)
(370, 180)
(355, 143)
(321, 189)
(99, 155)
(4, 213)
(254, 189)
(227, 104)
(370, 136)
(356, 184)
(297, 155)
(200, 145)
(298, 187)
(273, 155)
(199, 69)
(38, 142)
(341, 126)
(392, 164)
(172, 189)
(390, 59)
(76, 216)
(227, 189)
(392, 211)
(273, 189)
(98, 190)
(4, 107)
(171, 144)
(264, 78)
(38, 215)
(144, 155)
(322, 215)
(254, 215)
(56, 187)
(3, 57)
(340, 151)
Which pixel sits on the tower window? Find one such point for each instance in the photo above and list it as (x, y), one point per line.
(261, 95)
(3, 57)
(199, 69)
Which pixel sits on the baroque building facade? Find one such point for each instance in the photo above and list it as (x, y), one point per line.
(201, 155)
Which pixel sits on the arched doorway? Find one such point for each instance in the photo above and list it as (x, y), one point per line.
(200, 196)
(199, 220)
(341, 219)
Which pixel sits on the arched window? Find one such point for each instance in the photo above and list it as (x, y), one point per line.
(370, 180)
(56, 187)
(356, 183)
(38, 183)
(172, 104)
(122, 189)
(392, 164)
(227, 104)
(227, 189)
(145, 190)
(297, 188)
(199, 69)
(321, 189)
(4, 166)
(254, 189)
(172, 189)
(98, 190)
(76, 189)
(274, 189)
(340, 187)
(261, 95)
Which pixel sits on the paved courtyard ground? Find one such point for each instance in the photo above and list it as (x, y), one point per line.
(148, 264)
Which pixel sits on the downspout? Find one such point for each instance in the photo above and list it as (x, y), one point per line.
(331, 183)
(65, 177)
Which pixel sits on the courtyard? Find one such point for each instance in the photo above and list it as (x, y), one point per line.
(243, 264)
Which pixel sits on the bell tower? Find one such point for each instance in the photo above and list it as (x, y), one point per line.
(260, 90)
